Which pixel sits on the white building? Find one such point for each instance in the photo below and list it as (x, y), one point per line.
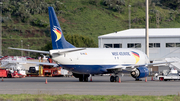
(164, 42)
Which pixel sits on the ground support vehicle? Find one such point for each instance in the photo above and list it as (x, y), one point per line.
(54, 71)
(46, 70)
(3, 73)
(8, 74)
(168, 77)
(11, 63)
(32, 75)
(171, 75)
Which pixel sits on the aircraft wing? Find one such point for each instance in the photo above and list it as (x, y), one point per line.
(62, 51)
(59, 51)
(43, 63)
(130, 67)
(28, 50)
(30, 62)
(161, 63)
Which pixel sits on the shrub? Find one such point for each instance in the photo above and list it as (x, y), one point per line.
(94, 2)
(39, 23)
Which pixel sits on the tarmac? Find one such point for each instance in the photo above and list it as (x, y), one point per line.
(100, 85)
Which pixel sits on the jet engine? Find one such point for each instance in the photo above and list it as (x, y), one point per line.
(140, 72)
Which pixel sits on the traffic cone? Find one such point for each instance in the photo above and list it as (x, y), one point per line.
(119, 80)
(2, 79)
(152, 79)
(146, 79)
(46, 81)
(91, 79)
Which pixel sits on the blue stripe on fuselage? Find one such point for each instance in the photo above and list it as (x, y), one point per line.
(88, 69)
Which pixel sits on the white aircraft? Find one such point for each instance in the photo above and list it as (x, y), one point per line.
(85, 61)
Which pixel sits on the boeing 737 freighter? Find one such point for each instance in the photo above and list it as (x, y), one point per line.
(85, 61)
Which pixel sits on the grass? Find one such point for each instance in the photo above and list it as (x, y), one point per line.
(67, 97)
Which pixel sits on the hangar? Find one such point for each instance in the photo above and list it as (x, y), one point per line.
(163, 42)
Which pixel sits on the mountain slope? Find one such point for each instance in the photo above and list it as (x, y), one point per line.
(28, 20)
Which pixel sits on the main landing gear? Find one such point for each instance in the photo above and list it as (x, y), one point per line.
(114, 79)
(82, 77)
(138, 79)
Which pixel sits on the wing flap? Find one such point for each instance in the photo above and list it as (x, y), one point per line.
(62, 51)
(122, 67)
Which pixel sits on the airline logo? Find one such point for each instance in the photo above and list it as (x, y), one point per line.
(136, 55)
(58, 32)
(121, 53)
(83, 53)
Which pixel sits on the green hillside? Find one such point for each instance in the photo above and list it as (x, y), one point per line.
(28, 20)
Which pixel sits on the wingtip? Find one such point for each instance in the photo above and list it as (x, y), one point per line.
(9, 47)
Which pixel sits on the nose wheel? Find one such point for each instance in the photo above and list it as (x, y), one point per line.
(114, 79)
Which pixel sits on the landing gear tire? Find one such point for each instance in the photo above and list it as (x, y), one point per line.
(85, 79)
(81, 79)
(138, 80)
(112, 79)
(116, 78)
(9, 76)
(161, 79)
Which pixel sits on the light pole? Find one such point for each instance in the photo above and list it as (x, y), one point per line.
(28, 52)
(1, 3)
(22, 47)
(147, 29)
(129, 16)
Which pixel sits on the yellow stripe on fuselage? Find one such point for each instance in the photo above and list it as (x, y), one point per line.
(137, 58)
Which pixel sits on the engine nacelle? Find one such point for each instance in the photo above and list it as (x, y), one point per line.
(140, 72)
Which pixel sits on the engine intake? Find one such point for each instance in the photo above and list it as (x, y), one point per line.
(140, 72)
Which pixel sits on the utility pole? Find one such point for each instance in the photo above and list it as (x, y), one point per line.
(1, 3)
(28, 52)
(22, 47)
(129, 16)
(147, 29)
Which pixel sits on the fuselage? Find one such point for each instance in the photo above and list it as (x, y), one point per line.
(98, 60)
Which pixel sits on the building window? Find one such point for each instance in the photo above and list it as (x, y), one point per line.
(131, 45)
(152, 45)
(172, 44)
(107, 45)
(177, 44)
(157, 45)
(137, 45)
(117, 45)
(112, 45)
(134, 45)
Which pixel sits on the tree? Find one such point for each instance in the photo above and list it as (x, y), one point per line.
(94, 2)
(173, 4)
(76, 40)
(116, 5)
